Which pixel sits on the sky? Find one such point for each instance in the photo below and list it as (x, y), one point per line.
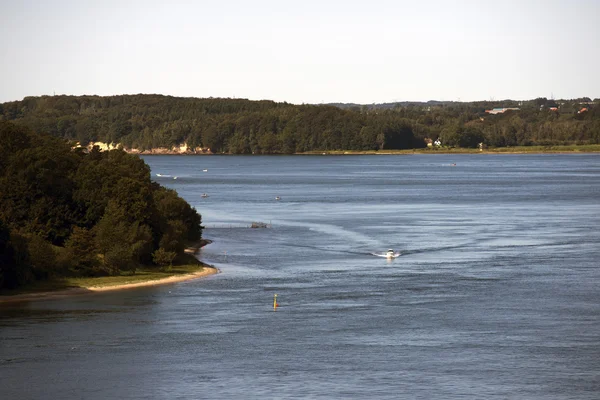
(303, 51)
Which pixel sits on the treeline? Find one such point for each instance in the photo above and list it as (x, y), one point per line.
(241, 126)
(66, 212)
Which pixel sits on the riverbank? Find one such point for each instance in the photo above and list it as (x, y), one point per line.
(591, 148)
(78, 286)
(142, 278)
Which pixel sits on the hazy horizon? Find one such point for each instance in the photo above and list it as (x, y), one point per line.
(314, 52)
(283, 101)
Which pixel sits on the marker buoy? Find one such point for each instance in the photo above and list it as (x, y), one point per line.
(275, 305)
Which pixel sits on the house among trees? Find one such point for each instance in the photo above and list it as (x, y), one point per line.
(431, 143)
(501, 110)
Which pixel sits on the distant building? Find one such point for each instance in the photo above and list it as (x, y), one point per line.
(501, 110)
(584, 109)
(429, 142)
(438, 142)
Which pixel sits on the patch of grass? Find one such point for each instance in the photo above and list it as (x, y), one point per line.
(141, 275)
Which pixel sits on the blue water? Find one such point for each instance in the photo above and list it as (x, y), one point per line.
(496, 293)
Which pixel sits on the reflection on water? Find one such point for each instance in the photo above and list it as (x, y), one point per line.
(495, 293)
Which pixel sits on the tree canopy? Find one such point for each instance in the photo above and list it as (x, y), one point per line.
(240, 126)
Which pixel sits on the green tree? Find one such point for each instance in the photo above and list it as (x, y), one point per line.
(122, 242)
(164, 258)
(42, 258)
(82, 254)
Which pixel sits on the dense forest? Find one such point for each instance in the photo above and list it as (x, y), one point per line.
(241, 126)
(69, 212)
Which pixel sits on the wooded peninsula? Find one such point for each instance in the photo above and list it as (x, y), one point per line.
(68, 212)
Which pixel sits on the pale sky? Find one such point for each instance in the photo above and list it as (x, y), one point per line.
(305, 51)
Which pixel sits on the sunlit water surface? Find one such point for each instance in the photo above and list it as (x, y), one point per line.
(496, 293)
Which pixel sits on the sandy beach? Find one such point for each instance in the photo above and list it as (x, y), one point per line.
(207, 270)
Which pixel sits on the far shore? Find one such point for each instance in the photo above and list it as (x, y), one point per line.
(566, 149)
(205, 271)
(575, 149)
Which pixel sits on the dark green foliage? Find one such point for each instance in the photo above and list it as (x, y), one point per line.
(98, 178)
(172, 209)
(223, 125)
(241, 126)
(81, 254)
(65, 212)
(15, 269)
(42, 258)
(7, 259)
(163, 258)
(122, 240)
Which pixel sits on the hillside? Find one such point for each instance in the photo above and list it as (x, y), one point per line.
(240, 126)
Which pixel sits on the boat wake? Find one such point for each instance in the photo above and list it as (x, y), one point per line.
(387, 254)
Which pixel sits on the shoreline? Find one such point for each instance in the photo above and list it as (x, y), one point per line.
(55, 294)
(451, 151)
(58, 294)
(497, 150)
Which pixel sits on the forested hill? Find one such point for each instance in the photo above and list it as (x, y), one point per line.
(68, 212)
(241, 126)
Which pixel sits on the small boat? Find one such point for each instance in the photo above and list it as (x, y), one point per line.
(204, 170)
(158, 174)
(204, 195)
(390, 254)
(277, 198)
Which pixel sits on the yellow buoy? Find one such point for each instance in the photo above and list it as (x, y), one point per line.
(275, 305)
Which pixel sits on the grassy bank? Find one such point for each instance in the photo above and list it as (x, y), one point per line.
(590, 148)
(141, 275)
(187, 264)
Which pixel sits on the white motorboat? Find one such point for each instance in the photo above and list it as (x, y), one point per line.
(390, 254)
(204, 195)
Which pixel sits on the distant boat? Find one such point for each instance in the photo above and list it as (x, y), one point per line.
(158, 175)
(390, 254)
(204, 170)
(174, 177)
(204, 195)
(277, 198)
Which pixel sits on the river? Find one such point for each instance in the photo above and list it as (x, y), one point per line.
(495, 293)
